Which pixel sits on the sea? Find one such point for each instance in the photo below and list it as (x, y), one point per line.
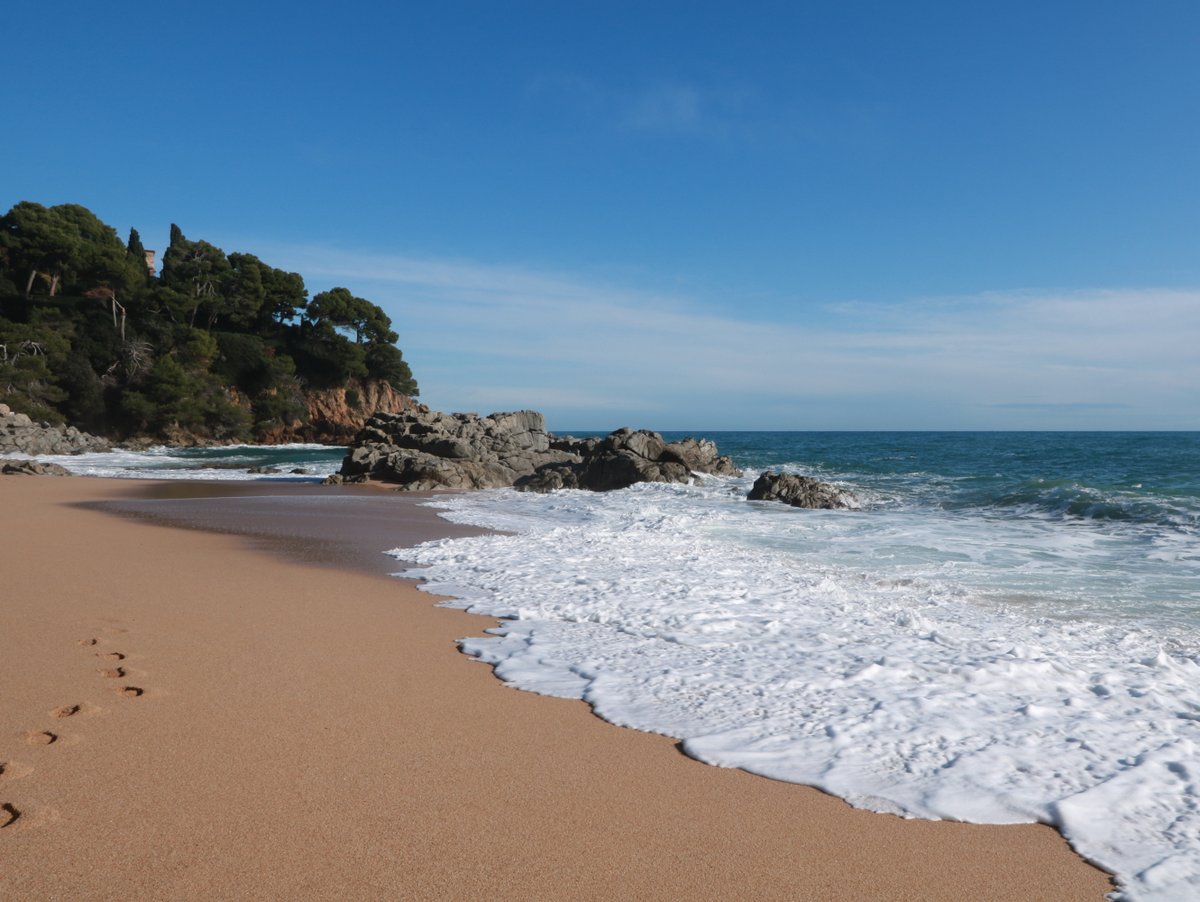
(1006, 630)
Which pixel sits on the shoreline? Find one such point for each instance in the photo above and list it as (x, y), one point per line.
(311, 729)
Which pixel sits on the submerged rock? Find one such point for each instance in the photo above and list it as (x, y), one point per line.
(801, 491)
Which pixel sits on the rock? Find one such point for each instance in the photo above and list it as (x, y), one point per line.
(20, 435)
(424, 449)
(339, 479)
(300, 471)
(32, 468)
(801, 491)
(264, 471)
(626, 457)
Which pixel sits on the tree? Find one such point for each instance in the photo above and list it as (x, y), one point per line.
(136, 253)
(245, 291)
(39, 245)
(384, 361)
(341, 309)
(64, 247)
(285, 296)
(196, 273)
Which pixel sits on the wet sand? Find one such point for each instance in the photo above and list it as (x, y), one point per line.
(189, 714)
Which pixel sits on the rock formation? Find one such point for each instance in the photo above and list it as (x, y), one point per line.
(31, 468)
(800, 491)
(424, 449)
(623, 458)
(21, 435)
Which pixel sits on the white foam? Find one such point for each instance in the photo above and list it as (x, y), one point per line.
(941, 666)
(226, 462)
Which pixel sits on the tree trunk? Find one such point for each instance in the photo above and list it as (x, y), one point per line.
(33, 273)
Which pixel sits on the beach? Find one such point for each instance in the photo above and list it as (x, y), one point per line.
(189, 714)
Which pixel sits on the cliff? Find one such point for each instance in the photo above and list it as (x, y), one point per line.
(335, 415)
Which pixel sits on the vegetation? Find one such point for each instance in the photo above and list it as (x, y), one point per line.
(217, 345)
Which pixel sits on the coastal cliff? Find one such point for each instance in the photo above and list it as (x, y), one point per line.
(335, 415)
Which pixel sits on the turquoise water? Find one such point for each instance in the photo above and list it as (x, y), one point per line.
(1096, 524)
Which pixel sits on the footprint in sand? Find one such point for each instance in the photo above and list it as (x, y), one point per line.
(130, 691)
(8, 815)
(110, 656)
(65, 711)
(111, 672)
(14, 770)
(86, 642)
(40, 737)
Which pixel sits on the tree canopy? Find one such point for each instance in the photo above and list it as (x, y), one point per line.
(221, 345)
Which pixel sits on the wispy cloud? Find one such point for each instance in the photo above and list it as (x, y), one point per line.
(661, 106)
(485, 336)
(666, 107)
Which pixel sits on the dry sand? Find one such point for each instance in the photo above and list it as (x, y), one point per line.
(185, 717)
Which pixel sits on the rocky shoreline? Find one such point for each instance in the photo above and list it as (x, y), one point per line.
(21, 435)
(424, 450)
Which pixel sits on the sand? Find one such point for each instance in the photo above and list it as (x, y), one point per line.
(184, 715)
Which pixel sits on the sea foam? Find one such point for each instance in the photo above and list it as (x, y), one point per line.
(939, 665)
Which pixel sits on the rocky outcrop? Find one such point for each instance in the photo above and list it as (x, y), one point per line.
(626, 457)
(31, 468)
(424, 449)
(21, 435)
(800, 491)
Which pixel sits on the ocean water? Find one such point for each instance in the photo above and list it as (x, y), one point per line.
(1007, 631)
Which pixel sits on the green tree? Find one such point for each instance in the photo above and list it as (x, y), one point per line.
(285, 296)
(195, 272)
(342, 310)
(29, 358)
(135, 251)
(384, 361)
(38, 245)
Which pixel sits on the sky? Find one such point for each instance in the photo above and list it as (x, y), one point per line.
(673, 215)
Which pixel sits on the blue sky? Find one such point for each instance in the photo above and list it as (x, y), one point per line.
(857, 215)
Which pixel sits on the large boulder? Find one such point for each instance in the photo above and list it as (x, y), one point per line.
(424, 449)
(21, 435)
(800, 491)
(31, 468)
(626, 457)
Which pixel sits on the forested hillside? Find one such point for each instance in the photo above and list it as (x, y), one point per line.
(215, 346)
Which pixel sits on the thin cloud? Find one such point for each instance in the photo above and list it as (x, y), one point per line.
(666, 107)
(489, 337)
(660, 106)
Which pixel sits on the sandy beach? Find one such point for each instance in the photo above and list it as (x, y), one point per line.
(194, 715)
